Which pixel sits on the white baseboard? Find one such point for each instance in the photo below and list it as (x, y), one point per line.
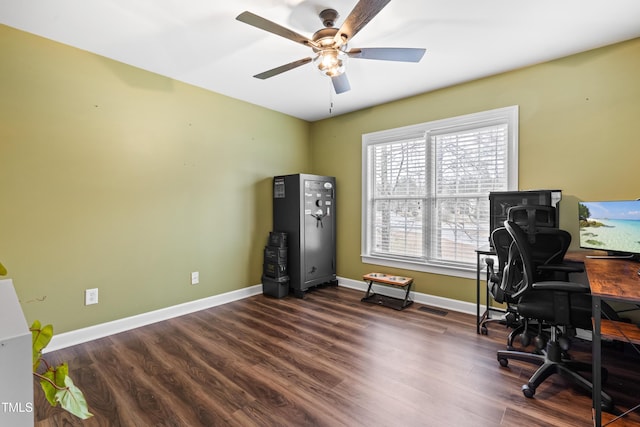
(426, 299)
(79, 336)
(90, 333)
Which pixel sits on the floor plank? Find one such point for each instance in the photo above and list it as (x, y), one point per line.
(326, 360)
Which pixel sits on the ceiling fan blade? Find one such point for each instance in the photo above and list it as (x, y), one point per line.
(340, 83)
(272, 27)
(282, 69)
(404, 54)
(361, 14)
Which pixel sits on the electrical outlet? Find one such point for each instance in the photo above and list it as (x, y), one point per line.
(195, 278)
(91, 296)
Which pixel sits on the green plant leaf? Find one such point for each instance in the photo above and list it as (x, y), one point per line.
(49, 389)
(55, 381)
(40, 338)
(57, 375)
(3, 271)
(72, 400)
(60, 373)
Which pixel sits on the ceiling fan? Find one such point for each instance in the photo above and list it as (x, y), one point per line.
(329, 44)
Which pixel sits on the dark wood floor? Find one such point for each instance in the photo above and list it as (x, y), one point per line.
(327, 360)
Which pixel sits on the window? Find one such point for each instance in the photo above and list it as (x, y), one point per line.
(426, 190)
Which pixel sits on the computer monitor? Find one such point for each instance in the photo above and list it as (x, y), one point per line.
(611, 226)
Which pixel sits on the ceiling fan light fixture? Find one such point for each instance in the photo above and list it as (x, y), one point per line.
(329, 44)
(331, 62)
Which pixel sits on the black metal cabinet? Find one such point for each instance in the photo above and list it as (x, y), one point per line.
(304, 207)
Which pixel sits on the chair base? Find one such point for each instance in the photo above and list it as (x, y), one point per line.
(483, 324)
(552, 362)
(508, 319)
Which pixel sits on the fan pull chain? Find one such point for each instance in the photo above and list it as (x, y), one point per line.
(330, 97)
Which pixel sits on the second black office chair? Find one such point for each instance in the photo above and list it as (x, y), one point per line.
(560, 306)
(503, 283)
(504, 288)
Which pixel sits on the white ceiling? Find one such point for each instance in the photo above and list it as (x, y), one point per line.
(200, 42)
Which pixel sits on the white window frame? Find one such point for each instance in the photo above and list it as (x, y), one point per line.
(507, 115)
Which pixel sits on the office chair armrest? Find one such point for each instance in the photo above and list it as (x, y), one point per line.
(565, 267)
(494, 279)
(556, 285)
(562, 268)
(491, 273)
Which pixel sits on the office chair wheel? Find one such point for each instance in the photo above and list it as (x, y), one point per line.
(525, 339)
(504, 362)
(483, 330)
(528, 391)
(540, 342)
(609, 407)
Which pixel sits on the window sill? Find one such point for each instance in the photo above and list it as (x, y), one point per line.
(466, 273)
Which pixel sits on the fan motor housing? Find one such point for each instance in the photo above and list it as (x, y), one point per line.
(325, 37)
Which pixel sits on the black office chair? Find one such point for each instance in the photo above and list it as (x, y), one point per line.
(560, 306)
(531, 218)
(502, 283)
(548, 247)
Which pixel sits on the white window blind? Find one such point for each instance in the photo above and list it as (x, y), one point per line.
(467, 165)
(426, 189)
(399, 188)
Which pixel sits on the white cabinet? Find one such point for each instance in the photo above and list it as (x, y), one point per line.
(16, 387)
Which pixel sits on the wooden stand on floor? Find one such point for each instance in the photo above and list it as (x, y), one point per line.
(388, 280)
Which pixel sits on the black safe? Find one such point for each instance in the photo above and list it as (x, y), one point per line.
(304, 207)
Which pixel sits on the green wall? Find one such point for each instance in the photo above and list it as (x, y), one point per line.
(119, 179)
(579, 127)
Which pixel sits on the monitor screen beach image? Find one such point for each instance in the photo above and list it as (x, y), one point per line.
(612, 226)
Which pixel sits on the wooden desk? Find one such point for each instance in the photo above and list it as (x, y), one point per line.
(615, 280)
